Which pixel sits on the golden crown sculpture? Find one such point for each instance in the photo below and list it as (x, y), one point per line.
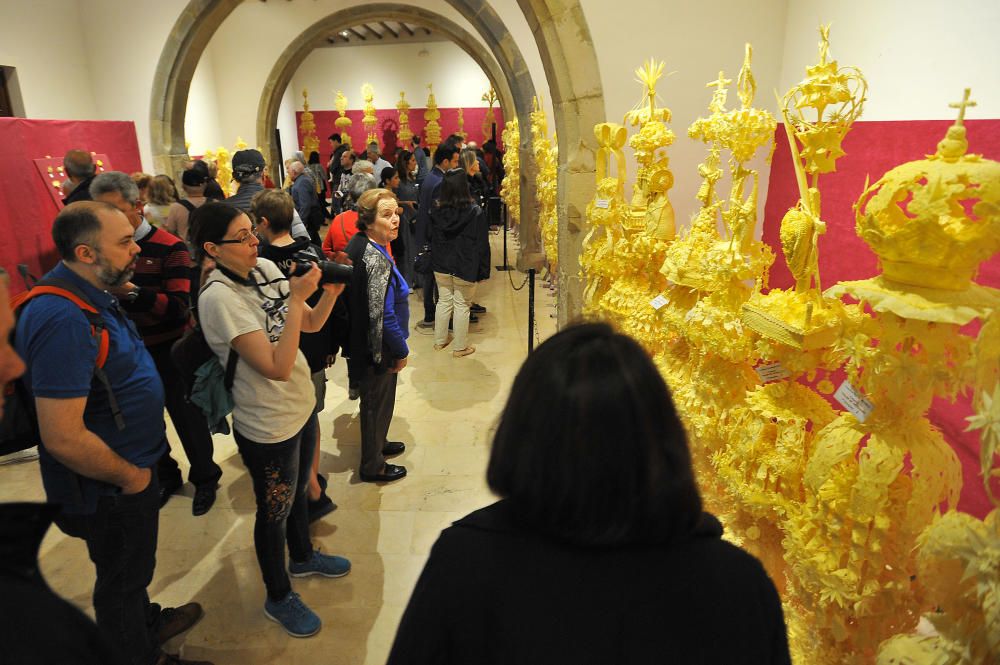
(933, 221)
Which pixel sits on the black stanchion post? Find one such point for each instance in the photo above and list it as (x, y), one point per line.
(531, 309)
(506, 264)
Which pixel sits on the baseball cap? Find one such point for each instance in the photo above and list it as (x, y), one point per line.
(193, 177)
(247, 162)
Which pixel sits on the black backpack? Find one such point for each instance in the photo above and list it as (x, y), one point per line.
(192, 351)
(19, 426)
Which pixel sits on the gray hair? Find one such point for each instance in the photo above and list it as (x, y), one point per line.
(361, 183)
(110, 182)
(362, 166)
(295, 166)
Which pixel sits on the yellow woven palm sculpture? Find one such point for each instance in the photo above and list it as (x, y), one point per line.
(510, 189)
(310, 142)
(403, 107)
(547, 160)
(343, 123)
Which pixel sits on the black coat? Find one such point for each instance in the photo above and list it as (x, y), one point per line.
(493, 593)
(460, 242)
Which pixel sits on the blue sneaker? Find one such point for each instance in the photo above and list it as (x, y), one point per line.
(293, 615)
(326, 565)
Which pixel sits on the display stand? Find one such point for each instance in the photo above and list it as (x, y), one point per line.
(506, 265)
(531, 309)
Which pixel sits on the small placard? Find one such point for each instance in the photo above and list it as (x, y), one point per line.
(602, 203)
(659, 301)
(772, 372)
(852, 400)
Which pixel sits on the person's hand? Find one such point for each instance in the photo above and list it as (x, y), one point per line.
(400, 364)
(140, 480)
(305, 285)
(334, 288)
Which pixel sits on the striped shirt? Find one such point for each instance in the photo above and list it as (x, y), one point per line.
(161, 311)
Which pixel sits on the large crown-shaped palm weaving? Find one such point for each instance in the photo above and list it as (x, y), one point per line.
(933, 221)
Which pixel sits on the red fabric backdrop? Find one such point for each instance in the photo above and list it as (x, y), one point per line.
(26, 207)
(872, 149)
(387, 127)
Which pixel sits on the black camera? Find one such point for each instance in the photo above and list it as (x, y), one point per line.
(333, 272)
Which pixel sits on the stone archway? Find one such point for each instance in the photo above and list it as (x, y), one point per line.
(315, 36)
(563, 39)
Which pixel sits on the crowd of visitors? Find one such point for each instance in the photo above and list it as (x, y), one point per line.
(589, 456)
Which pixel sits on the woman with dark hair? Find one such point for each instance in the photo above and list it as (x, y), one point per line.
(320, 176)
(406, 194)
(247, 305)
(379, 316)
(460, 257)
(598, 551)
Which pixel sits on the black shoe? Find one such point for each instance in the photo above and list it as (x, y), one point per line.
(176, 620)
(204, 497)
(473, 318)
(168, 488)
(393, 448)
(324, 505)
(477, 308)
(321, 481)
(390, 473)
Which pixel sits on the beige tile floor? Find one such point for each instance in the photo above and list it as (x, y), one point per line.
(445, 409)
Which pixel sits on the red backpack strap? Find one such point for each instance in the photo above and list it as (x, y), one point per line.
(53, 287)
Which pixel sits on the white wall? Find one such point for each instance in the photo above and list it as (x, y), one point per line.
(696, 40)
(202, 126)
(287, 125)
(917, 55)
(44, 41)
(458, 81)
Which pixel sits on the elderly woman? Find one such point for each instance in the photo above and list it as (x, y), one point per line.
(598, 551)
(253, 315)
(379, 315)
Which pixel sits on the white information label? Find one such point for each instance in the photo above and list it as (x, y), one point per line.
(602, 203)
(659, 301)
(852, 400)
(772, 372)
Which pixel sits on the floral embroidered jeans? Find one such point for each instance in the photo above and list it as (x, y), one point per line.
(280, 475)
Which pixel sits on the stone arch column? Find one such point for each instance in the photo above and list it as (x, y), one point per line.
(571, 70)
(186, 42)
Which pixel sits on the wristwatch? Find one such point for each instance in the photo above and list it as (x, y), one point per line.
(132, 294)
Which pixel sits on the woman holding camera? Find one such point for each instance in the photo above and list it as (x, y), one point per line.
(379, 315)
(598, 551)
(248, 305)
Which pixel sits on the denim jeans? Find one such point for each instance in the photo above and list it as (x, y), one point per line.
(121, 541)
(280, 475)
(190, 424)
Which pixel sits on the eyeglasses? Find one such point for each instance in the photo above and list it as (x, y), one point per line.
(242, 240)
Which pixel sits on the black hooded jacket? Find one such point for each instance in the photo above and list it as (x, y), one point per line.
(460, 242)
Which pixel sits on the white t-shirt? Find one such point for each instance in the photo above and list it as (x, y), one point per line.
(266, 411)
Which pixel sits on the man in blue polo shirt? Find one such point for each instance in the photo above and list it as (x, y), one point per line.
(100, 473)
